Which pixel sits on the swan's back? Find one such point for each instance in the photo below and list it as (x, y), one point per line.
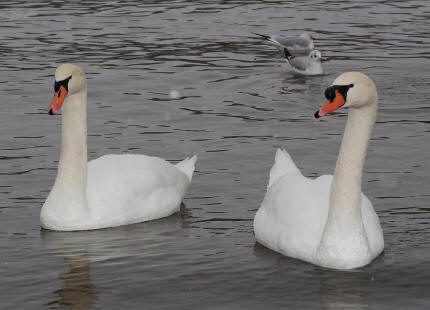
(293, 214)
(124, 189)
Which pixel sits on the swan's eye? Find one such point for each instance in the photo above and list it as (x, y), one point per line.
(64, 83)
(330, 92)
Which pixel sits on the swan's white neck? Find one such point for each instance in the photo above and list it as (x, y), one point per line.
(344, 233)
(72, 168)
(346, 188)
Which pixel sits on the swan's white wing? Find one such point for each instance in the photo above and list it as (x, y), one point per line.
(283, 164)
(125, 189)
(187, 166)
(293, 214)
(372, 226)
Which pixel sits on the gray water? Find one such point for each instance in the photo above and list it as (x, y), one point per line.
(238, 101)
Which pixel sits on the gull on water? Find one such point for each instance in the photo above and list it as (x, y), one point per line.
(302, 42)
(307, 65)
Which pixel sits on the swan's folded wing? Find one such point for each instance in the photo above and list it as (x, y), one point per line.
(293, 214)
(133, 188)
(283, 164)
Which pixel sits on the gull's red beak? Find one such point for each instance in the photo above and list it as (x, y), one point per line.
(57, 100)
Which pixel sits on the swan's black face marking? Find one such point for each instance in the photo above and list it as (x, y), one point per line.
(61, 88)
(330, 92)
(336, 98)
(64, 83)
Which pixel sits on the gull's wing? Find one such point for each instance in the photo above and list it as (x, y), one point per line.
(289, 42)
(299, 63)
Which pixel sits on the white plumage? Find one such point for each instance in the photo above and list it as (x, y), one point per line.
(112, 190)
(302, 42)
(306, 65)
(326, 221)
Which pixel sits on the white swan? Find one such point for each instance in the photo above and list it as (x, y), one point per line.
(109, 191)
(327, 221)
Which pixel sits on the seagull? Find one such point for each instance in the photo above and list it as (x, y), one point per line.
(296, 43)
(307, 65)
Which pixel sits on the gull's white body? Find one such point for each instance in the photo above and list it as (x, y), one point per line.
(307, 65)
(112, 190)
(326, 221)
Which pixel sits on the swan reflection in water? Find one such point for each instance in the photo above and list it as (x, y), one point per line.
(341, 290)
(82, 250)
(78, 291)
(334, 289)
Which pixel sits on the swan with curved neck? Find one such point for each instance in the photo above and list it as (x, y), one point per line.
(112, 190)
(327, 221)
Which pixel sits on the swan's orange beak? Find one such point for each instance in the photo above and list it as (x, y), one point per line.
(330, 106)
(57, 100)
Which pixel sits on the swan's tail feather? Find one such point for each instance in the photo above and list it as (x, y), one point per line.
(187, 166)
(283, 165)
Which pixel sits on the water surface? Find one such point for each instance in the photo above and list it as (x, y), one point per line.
(237, 102)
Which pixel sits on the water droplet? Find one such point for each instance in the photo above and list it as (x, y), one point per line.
(174, 94)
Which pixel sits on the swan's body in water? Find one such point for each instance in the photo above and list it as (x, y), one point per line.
(112, 190)
(327, 221)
